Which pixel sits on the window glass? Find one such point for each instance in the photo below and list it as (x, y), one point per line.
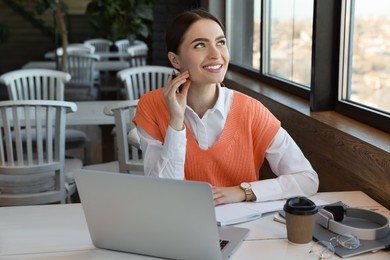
(288, 40)
(368, 54)
(243, 32)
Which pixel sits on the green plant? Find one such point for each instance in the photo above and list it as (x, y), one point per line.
(119, 19)
(59, 9)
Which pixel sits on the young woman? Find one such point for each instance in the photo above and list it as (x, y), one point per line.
(194, 128)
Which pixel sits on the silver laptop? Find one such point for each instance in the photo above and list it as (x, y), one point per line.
(157, 217)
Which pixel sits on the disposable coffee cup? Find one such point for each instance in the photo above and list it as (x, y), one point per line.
(300, 219)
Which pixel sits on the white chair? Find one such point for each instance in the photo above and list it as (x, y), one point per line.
(123, 44)
(138, 42)
(130, 159)
(138, 55)
(139, 80)
(85, 78)
(127, 141)
(33, 168)
(72, 48)
(76, 48)
(101, 45)
(45, 84)
(32, 84)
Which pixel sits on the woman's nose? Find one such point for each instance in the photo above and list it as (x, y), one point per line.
(214, 52)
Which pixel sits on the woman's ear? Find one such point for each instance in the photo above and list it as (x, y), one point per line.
(174, 59)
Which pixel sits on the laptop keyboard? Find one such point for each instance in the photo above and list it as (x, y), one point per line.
(223, 243)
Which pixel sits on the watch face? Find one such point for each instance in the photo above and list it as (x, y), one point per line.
(245, 185)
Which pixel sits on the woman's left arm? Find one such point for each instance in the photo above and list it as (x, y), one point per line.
(295, 175)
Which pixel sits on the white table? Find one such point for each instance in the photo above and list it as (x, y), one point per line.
(105, 65)
(60, 232)
(103, 55)
(91, 114)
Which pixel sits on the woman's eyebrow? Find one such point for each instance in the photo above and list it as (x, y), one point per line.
(207, 40)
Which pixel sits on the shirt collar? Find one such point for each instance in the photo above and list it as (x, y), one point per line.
(220, 104)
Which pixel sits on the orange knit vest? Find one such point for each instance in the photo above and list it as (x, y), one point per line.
(238, 153)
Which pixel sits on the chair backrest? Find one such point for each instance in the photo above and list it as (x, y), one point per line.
(81, 67)
(139, 80)
(129, 154)
(122, 45)
(101, 45)
(32, 151)
(76, 48)
(138, 55)
(35, 84)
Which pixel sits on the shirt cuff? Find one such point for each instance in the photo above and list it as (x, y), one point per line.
(267, 190)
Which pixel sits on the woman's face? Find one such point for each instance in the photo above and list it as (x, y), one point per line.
(204, 53)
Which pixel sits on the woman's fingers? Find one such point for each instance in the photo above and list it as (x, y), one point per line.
(222, 195)
(175, 82)
(185, 87)
(177, 101)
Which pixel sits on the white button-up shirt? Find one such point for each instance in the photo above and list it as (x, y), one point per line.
(294, 174)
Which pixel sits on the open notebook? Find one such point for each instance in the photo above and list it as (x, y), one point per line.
(234, 213)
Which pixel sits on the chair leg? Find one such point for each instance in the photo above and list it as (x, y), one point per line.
(87, 152)
(115, 147)
(70, 191)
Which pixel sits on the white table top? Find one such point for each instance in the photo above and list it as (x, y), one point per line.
(105, 65)
(60, 232)
(91, 113)
(106, 55)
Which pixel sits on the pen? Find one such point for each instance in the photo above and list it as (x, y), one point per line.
(279, 218)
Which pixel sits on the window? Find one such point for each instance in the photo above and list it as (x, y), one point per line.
(334, 53)
(243, 32)
(288, 40)
(365, 70)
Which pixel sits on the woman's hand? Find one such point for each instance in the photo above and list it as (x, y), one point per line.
(223, 195)
(177, 100)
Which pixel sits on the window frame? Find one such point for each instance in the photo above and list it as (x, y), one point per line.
(324, 93)
(352, 109)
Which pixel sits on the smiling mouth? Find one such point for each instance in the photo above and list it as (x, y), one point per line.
(213, 67)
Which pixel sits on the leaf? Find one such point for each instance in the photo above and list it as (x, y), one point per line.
(145, 11)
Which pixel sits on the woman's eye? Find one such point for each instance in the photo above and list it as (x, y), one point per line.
(199, 45)
(221, 43)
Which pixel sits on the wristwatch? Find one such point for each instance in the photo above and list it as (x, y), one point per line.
(247, 188)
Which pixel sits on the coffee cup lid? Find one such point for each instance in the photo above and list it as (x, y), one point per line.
(300, 206)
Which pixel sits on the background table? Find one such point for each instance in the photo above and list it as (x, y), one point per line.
(102, 55)
(90, 118)
(60, 232)
(92, 113)
(107, 65)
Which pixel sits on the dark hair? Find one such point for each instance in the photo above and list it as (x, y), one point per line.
(181, 23)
